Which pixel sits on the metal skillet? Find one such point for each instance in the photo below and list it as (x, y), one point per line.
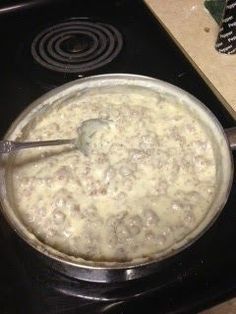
(225, 140)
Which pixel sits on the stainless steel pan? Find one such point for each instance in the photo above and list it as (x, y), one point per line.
(102, 272)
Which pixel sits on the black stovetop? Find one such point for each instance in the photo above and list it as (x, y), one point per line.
(200, 276)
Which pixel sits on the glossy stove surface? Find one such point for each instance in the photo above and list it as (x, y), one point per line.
(196, 278)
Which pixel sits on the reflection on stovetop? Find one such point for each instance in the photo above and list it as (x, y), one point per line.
(197, 277)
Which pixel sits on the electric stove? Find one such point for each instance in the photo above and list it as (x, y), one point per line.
(46, 43)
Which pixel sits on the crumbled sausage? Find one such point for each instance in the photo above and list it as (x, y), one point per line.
(58, 216)
(137, 155)
(127, 169)
(189, 219)
(149, 141)
(123, 233)
(150, 217)
(134, 224)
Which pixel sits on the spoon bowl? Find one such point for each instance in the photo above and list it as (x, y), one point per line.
(85, 131)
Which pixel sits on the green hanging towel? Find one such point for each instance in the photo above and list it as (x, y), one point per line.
(216, 8)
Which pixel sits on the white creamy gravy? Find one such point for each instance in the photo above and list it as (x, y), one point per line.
(148, 181)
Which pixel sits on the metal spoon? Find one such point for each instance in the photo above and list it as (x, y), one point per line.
(85, 132)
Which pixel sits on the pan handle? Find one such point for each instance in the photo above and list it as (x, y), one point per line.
(231, 135)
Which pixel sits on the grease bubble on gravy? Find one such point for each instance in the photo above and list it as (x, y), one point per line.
(147, 183)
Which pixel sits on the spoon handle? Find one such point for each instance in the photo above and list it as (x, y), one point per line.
(11, 146)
